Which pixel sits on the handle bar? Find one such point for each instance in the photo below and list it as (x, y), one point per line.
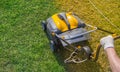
(96, 54)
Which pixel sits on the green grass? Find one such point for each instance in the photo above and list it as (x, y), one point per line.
(23, 45)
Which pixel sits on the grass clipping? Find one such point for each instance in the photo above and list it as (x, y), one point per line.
(83, 8)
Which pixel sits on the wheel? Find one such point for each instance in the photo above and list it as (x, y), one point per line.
(43, 25)
(53, 46)
(87, 50)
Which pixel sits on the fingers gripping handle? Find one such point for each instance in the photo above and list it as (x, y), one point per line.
(96, 53)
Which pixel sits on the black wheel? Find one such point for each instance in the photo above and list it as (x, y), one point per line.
(87, 51)
(43, 25)
(53, 46)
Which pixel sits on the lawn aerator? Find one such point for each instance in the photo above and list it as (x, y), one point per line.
(66, 29)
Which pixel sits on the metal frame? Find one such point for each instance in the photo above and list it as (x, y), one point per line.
(71, 57)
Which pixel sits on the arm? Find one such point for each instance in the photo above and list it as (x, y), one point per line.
(114, 60)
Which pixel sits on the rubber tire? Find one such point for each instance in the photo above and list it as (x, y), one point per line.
(53, 46)
(43, 25)
(87, 51)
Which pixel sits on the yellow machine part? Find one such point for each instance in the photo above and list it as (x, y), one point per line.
(61, 24)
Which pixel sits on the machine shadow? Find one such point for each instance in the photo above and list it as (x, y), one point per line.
(87, 66)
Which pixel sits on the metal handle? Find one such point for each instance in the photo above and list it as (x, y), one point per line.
(96, 53)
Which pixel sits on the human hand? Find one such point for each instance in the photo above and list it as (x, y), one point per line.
(107, 42)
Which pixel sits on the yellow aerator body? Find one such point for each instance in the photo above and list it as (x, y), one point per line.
(61, 24)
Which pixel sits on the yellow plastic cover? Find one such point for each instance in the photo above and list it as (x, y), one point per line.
(61, 24)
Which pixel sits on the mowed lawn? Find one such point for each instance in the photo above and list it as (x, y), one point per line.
(23, 45)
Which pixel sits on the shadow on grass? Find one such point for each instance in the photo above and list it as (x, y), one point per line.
(87, 66)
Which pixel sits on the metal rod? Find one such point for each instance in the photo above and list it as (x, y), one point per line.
(104, 30)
